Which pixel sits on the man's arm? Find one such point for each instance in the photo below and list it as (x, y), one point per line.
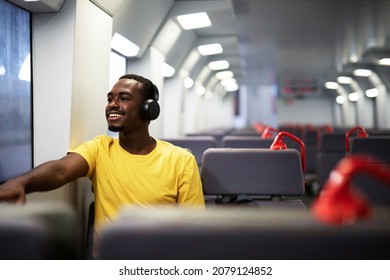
(45, 177)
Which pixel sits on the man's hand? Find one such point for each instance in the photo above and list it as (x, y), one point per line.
(13, 191)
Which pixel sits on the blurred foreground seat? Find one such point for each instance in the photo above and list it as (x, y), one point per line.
(250, 233)
(23, 239)
(38, 231)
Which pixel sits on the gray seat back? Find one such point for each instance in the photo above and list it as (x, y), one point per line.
(23, 239)
(196, 144)
(234, 141)
(376, 146)
(331, 150)
(311, 147)
(221, 233)
(332, 143)
(252, 171)
(376, 191)
(58, 222)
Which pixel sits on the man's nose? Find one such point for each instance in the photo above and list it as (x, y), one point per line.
(114, 103)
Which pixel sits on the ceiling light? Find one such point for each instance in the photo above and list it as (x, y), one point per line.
(362, 72)
(219, 65)
(224, 75)
(384, 61)
(340, 99)
(201, 90)
(188, 82)
(344, 80)
(228, 82)
(193, 21)
(167, 70)
(124, 46)
(231, 87)
(210, 49)
(373, 92)
(331, 85)
(353, 96)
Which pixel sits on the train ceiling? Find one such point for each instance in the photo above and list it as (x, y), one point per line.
(266, 42)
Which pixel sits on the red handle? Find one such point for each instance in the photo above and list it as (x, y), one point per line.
(362, 133)
(258, 127)
(267, 132)
(278, 144)
(337, 203)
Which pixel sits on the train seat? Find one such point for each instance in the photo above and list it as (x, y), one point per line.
(249, 131)
(378, 132)
(23, 239)
(331, 150)
(271, 178)
(51, 225)
(196, 144)
(240, 141)
(218, 134)
(225, 233)
(376, 191)
(311, 146)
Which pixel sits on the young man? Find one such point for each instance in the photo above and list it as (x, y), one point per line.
(133, 169)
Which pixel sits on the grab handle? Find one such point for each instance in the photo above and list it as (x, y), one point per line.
(278, 144)
(338, 203)
(362, 133)
(267, 132)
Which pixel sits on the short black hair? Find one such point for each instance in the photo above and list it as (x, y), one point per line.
(148, 88)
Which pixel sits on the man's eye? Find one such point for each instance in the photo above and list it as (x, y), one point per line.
(109, 100)
(124, 98)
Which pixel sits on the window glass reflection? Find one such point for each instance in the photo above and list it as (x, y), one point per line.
(15, 91)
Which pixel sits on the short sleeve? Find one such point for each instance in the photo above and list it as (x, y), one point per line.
(190, 189)
(89, 151)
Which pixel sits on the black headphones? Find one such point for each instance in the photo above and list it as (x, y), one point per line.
(150, 109)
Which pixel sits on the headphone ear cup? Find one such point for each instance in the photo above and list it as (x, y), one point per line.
(150, 109)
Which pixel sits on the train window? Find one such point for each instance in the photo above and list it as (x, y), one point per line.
(15, 91)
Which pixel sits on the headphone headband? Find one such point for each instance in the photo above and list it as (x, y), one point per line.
(156, 94)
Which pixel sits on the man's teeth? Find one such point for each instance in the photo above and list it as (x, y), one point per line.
(115, 115)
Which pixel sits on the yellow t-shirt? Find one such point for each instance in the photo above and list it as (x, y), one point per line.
(167, 175)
